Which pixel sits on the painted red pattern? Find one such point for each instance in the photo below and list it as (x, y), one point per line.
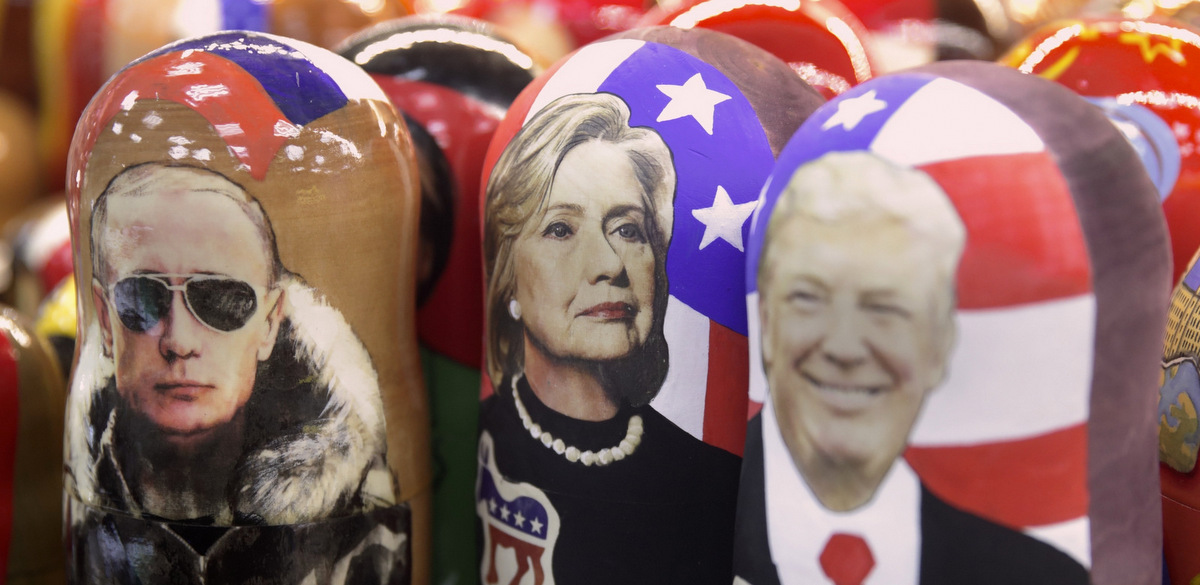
(10, 393)
(246, 103)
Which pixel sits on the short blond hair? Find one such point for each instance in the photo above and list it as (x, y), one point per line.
(859, 185)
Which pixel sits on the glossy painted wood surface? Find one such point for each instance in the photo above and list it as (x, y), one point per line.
(1031, 213)
(331, 172)
(453, 78)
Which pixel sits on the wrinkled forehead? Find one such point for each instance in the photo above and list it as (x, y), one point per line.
(181, 230)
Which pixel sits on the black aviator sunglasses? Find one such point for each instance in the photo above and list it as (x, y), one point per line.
(219, 302)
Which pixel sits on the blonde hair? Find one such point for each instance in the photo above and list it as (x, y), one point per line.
(857, 186)
(519, 187)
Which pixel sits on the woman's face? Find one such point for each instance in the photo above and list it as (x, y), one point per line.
(585, 269)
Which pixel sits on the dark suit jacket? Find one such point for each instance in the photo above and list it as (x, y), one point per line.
(957, 547)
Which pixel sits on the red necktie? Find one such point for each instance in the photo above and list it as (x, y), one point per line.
(847, 559)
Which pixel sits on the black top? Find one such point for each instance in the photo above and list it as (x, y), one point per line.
(957, 547)
(663, 515)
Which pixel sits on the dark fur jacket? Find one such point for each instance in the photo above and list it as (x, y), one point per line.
(311, 499)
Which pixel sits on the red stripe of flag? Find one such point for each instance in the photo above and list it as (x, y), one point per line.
(1025, 243)
(728, 389)
(10, 393)
(1027, 482)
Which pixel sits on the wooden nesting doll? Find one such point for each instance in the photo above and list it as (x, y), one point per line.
(57, 322)
(614, 219)
(453, 78)
(80, 43)
(247, 402)
(821, 41)
(1142, 73)
(31, 426)
(40, 239)
(956, 280)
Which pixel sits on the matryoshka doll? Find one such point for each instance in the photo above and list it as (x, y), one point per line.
(58, 323)
(956, 278)
(453, 78)
(821, 41)
(618, 193)
(247, 402)
(31, 424)
(40, 240)
(80, 43)
(1141, 73)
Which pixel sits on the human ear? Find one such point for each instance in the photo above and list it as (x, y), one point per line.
(100, 303)
(275, 300)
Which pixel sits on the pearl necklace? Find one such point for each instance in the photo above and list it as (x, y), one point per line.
(633, 438)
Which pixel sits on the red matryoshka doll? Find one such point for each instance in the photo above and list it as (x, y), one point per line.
(1141, 73)
(246, 405)
(31, 425)
(453, 78)
(822, 41)
(80, 43)
(949, 353)
(619, 190)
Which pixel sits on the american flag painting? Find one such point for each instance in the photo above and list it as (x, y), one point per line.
(1005, 435)
(721, 157)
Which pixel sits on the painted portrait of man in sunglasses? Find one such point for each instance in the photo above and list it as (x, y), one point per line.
(223, 407)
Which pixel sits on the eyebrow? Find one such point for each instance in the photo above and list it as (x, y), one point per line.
(622, 210)
(573, 207)
(807, 279)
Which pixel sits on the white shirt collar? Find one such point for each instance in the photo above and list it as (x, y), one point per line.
(798, 525)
